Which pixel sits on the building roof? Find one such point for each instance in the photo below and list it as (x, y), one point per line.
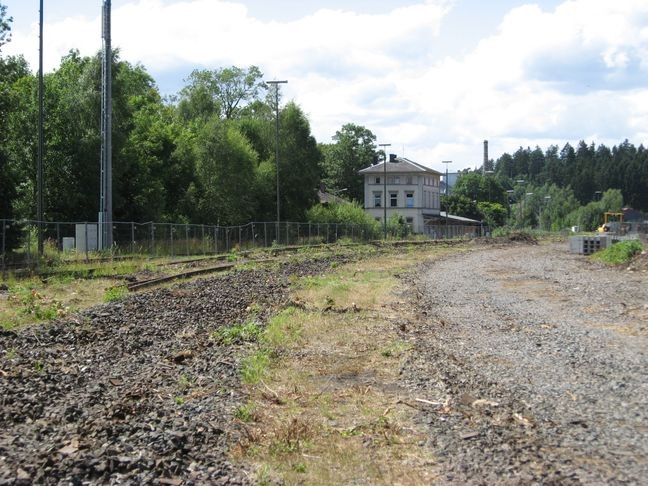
(399, 165)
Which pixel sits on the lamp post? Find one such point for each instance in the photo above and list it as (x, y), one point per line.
(446, 162)
(276, 86)
(383, 145)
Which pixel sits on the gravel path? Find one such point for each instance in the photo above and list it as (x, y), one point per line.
(538, 360)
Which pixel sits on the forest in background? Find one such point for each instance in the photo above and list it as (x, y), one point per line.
(207, 155)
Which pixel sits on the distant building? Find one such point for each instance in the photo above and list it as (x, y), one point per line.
(411, 190)
(453, 177)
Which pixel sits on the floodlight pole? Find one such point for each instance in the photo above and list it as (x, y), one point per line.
(383, 145)
(39, 165)
(105, 197)
(276, 86)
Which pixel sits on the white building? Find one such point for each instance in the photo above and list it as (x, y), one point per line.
(403, 187)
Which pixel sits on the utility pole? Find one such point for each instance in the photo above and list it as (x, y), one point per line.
(276, 87)
(446, 162)
(105, 197)
(383, 145)
(39, 164)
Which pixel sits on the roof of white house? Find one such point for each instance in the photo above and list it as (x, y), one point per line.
(400, 164)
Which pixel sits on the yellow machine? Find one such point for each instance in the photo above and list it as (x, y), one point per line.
(611, 223)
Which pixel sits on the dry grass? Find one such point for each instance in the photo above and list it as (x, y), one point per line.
(30, 300)
(330, 410)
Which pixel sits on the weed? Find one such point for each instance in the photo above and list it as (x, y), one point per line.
(11, 353)
(284, 328)
(184, 382)
(39, 367)
(263, 476)
(300, 467)
(394, 349)
(238, 333)
(619, 253)
(255, 367)
(246, 413)
(115, 293)
(291, 438)
(179, 400)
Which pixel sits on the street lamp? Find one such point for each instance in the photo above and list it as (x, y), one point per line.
(276, 86)
(446, 162)
(383, 145)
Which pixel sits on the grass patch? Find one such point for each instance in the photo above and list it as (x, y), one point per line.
(115, 293)
(619, 253)
(329, 391)
(255, 367)
(248, 331)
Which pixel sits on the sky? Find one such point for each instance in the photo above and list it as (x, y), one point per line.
(434, 78)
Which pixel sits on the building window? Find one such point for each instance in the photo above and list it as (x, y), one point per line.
(396, 179)
(377, 181)
(410, 180)
(393, 199)
(409, 199)
(377, 199)
(409, 220)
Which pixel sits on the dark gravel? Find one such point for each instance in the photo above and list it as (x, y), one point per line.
(537, 359)
(135, 391)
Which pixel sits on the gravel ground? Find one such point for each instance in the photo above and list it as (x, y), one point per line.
(535, 362)
(135, 391)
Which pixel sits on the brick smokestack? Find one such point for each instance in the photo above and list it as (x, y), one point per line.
(485, 157)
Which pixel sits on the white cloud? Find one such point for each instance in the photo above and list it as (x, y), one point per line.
(542, 77)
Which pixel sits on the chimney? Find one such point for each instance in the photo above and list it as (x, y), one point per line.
(485, 157)
(392, 157)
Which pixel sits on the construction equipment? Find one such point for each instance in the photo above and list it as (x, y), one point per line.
(612, 223)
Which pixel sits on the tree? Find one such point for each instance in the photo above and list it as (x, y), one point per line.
(479, 188)
(354, 149)
(225, 167)
(5, 26)
(223, 91)
(299, 162)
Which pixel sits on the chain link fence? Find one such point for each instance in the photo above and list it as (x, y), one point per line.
(79, 240)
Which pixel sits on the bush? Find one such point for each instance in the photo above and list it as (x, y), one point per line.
(619, 253)
(348, 213)
(397, 226)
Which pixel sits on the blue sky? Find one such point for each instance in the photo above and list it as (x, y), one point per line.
(432, 77)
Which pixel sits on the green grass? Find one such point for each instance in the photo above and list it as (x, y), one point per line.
(115, 293)
(239, 333)
(255, 367)
(246, 413)
(282, 330)
(619, 253)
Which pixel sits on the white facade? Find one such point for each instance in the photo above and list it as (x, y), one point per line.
(411, 190)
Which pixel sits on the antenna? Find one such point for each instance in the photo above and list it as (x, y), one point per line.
(105, 195)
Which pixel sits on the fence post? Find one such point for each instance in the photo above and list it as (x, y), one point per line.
(227, 247)
(187, 238)
(240, 237)
(132, 237)
(215, 240)
(309, 233)
(336, 232)
(172, 248)
(85, 228)
(152, 249)
(287, 233)
(202, 226)
(253, 237)
(4, 229)
(59, 245)
(265, 235)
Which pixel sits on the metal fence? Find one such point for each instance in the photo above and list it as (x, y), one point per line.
(78, 240)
